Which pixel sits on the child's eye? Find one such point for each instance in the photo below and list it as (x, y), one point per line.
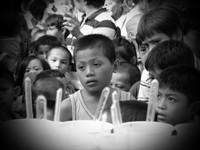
(97, 64)
(53, 60)
(27, 70)
(64, 62)
(143, 48)
(171, 99)
(81, 67)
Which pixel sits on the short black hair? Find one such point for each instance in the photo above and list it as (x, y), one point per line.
(98, 41)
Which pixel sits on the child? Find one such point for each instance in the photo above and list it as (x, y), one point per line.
(153, 28)
(94, 56)
(44, 44)
(178, 96)
(7, 94)
(125, 76)
(54, 24)
(133, 111)
(59, 57)
(96, 20)
(125, 51)
(47, 86)
(69, 89)
(30, 66)
(166, 54)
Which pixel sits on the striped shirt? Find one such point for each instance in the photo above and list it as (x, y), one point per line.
(81, 112)
(100, 22)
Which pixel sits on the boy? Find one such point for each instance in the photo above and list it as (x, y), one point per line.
(44, 44)
(54, 24)
(48, 87)
(153, 28)
(125, 76)
(59, 57)
(94, 56)
(166, 54)
(69, 89)
(178, 95)
(125, 51)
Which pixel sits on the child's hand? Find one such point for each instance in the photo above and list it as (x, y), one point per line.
(72, 24)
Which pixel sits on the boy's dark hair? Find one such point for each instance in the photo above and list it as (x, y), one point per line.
(168, 53)
(127, 50)
(133, 110)
(162, 19)
(47, 86)
(97, 41)
(54, 20)
(63, 48)
(132, 70)
(47, 40)
(50, 73)
(95, 3)
(183, 79)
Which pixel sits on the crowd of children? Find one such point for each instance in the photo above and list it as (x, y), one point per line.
(120, 44)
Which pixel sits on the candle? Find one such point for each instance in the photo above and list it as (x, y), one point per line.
(152, 99)
(59, 96)
(102, 102)
(28, 98)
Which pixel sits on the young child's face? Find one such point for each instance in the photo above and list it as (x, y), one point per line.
(54, 31)
(120, 81)
(42, 51)
(149, 43)
(58, 59)
(34, 66)
(172, 107)
(94, 69)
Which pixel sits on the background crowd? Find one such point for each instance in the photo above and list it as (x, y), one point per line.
(83, 46)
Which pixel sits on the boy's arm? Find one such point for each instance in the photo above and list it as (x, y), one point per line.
(66, 110)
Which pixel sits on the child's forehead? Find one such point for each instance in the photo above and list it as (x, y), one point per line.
(90, 52)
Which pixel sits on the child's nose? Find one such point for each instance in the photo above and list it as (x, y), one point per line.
(161, 103)
(89, 71)
(58, 64)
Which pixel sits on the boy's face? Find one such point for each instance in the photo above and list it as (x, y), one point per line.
(149, 43)
(94, 69)
(42, 51)
(58, 59)
(172, 107)
(54, 31)
(35, 66)
(120, 81)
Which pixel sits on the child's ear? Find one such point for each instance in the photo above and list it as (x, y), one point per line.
(178, 35)
(131, 35)
(116, 64)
